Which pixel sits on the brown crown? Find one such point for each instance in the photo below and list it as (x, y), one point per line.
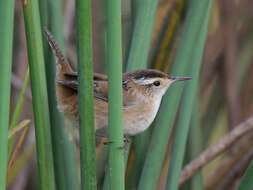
(146, 74)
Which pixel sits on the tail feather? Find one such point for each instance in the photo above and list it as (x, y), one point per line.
(60, 58)
(63, 92)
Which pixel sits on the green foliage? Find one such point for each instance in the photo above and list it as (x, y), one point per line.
(146, 166)
(85, 93)
(141, 38)
(39, 93)
(115, 128)
(6, 36)
(145, 12)
(63, 149)
(166, 116)
(199, 9)
(195, 144)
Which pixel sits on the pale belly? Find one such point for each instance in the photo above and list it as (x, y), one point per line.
(137, 125)
(136, 118)
(141, 121)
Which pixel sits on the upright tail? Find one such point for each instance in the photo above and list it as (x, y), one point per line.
(65, 73)
(60, 58)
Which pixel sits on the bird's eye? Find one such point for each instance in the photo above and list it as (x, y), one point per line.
(157, 83)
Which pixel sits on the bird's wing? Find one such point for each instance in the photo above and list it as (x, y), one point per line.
(101, 90)
(100, 77)
(100, 87)
(96, 76)
(129, 98)
(72, 84)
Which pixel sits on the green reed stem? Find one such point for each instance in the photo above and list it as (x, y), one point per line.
(195, 144)
(166, 116)
(115, 130)
(190, 92)
(63, 149)
(145, 12)
(39, 93)
(85, 90)
(142, 31)
(6, 37)
(141, 38)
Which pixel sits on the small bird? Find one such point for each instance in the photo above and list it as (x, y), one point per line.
(142, 94)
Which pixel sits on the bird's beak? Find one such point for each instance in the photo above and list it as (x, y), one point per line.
(180, 78)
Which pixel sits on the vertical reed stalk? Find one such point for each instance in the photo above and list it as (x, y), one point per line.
(195, 144)
(141, 39)
(39, 92)
(63, 150)
(169, 106)
(6, 37)
(114, 60)
(138, 58)
(85, 92)
(199, 9)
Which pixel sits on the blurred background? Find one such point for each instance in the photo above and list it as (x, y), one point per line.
(225, 92)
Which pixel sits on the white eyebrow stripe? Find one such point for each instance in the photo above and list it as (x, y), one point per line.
(145, 81)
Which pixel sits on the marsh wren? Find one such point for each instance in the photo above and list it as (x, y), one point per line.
(142, 94)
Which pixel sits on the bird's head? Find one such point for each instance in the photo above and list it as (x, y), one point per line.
(153, 82)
